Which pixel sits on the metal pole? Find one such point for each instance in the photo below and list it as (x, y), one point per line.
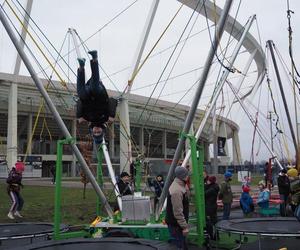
(271, 44)
(125, 143)
(12, 121)
(74, 33)
(99, 176)
(56, 115)
(192, 111)
(111, 173)
(222, 82)
(58, 174)
(197, 178)
(214, 164)
(271, 130)
(253, 123)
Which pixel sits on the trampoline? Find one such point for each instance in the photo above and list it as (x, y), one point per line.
(271, 244)
(96, 244)
(267, 226)
(12, 234)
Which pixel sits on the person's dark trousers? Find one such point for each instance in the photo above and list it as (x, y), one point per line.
(226, 211)
(21, 201)
(17, 201)
(284, 199)
(94, 86)
(211, 220)
(177, 238)
(81, 88)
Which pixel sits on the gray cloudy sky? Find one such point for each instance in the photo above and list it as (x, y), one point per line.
(118, 40)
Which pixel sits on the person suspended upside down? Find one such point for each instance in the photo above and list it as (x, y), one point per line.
(94, 105)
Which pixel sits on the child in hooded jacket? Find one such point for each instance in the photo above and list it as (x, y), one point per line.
(246, 201)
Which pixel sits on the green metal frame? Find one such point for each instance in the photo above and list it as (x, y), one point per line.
(197, 156)
(58, 235)
(138, 175)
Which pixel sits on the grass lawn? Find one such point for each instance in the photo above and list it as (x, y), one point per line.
(39, 205)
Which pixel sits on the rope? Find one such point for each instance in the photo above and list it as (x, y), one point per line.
(164, 69)
(210, 38)
(52, 46)
(39, 48)
(289, 12)
(130, 81)
(176, 60)
(86, 49)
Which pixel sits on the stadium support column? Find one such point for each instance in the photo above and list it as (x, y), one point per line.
(164, 144)
(236, 151)
(12, 126)
(125, 143)
(12, 123)
(141, 140)
(112, 141)
(29, 133)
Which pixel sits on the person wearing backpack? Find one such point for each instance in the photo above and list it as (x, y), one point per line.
(14, 184)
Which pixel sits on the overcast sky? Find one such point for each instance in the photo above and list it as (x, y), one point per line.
(118, 40)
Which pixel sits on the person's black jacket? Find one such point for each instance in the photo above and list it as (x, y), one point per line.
(158, 186)
(211, 196)
(124, 188)
(283, 185)
(97, 110)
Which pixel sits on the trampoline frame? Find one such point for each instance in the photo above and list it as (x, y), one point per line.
(63, 228)
(259, 233)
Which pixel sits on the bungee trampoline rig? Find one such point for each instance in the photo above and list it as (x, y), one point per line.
(135, 217)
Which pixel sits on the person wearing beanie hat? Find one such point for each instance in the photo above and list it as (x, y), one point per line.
(14, 181)
(246, 201)
(177, 211)
(292, 172)
(228, 174)
(284, 190)
(226, 195)
(295, 191)
(211, 190)
(94, 105)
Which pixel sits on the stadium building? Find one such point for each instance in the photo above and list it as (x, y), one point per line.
(155, 129)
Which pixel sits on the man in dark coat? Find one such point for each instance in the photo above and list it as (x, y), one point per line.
(284, 190)
(211, 195)
(94, 106)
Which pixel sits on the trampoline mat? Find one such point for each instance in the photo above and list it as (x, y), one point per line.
(268, 225)
(23, 229)
(271, 244)
(96, 244)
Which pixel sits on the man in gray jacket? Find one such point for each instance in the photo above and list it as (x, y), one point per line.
(177, 211)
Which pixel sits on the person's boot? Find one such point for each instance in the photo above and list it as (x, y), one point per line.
(94, 54)
(10, 215)
(17, 213)
(81, 62)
